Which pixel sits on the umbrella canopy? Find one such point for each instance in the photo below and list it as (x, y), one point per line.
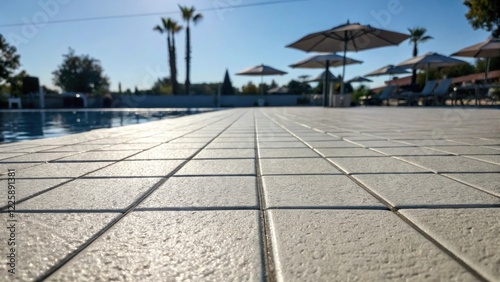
(321, 77)
(321, 61)
(261, 71)
(430, 60)
(359, 79)
(348, 37)
(490, 48)
(388, 70)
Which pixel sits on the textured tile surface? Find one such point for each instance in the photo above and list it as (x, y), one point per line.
(495, 159)
(91, 194)
(487, 181)
(225, 154)
(28, 187)
(333, 191)
(472, 234)
(297, 166)
(206, 221)
(39, 157)
(375, 165)
(410, 151)
(163, 246)
(345, 245)
(445, 164)
(61, 169)
(218, 167)
(231, 145)
(468, 150)
(203, 192)
(348, 152)
(138, 168)
(333, 144)
(287, 153)
(292, 144)
(424, 190)
(45, 239)
(100, 156)
(163, 152)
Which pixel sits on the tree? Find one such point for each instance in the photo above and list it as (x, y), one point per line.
(189, 15)
(81, 74)
(481, 64)
(205, 88)
(171, 27)
(250, 88)
(264, 87)
(273, 84)
(458, 70)
(162, 87)
(297, 87)
(417, 35)
(9, 60)
(484, 14)
(227, 86)
(48, 90)
(15, 84)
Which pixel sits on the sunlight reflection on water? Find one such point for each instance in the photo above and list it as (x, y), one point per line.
(19, 125)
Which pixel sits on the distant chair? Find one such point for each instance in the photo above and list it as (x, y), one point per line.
(386, 95)
(411, 97)
(441, 92)
(16, 101)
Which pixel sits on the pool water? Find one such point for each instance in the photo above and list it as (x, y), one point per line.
(19, 125)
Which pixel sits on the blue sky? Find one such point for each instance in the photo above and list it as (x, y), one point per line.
(236, 38)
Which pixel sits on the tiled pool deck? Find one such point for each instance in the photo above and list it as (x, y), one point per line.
(273, 194)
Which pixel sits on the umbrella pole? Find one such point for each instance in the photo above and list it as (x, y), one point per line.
(487, 70)
(427, 73)
(261, 85)
(326, 84)
(343, 66)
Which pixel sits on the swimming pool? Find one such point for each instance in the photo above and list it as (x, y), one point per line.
(19, 125)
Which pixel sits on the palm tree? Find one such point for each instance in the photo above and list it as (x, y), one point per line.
(170, 27)
(189, 15)
(417, 35)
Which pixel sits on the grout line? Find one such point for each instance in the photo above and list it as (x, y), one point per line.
(127, 211)
(256, 208)
(470, 185)
(269, 268)
(395, 211)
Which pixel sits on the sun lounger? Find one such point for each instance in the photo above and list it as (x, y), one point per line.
(440, 93)
(386, 94)
(411, 97)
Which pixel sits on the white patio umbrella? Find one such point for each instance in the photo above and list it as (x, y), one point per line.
(348, 37)
(325, 61)
(390, 70)
(490, 48)
(359, 79)
(261, 71)
(387, 70)
(428, 61)
(321, 77)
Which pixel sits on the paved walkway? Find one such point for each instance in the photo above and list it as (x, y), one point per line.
(283, 194)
